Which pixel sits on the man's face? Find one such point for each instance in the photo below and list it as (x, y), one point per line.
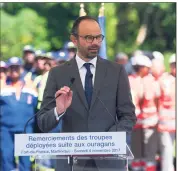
(29, 57)
(14, 72)
(144, 70)
(86, 49)
(40, 64)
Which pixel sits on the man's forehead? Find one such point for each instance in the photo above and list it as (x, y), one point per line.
(89, 27)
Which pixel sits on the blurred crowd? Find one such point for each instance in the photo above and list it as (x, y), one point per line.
(153, 93)
(152, 88)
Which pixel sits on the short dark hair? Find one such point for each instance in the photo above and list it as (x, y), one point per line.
(74, 30)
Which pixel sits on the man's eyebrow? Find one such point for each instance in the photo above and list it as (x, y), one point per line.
(93, 35)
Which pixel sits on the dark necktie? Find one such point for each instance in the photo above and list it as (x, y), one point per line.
(88, 83)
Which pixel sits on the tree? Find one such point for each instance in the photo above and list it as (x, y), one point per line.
(125, 23)
(27, 27)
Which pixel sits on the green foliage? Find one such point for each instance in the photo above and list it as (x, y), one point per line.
(111, 29)
(47, 25)
(24, 28)
(166, 60)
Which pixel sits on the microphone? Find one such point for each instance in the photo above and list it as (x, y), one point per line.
(115, 122)
(39, 112)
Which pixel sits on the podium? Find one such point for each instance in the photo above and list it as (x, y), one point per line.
(108, 151)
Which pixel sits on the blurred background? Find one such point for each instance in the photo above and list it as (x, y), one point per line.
(129, 26)
(36, 37)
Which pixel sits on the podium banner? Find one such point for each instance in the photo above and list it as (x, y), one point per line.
(85, 143)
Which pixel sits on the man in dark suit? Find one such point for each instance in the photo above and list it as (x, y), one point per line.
(92, 77)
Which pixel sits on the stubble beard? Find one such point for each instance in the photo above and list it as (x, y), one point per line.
(86, 54)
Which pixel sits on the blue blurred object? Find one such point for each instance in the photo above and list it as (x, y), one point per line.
(102, 52)
(60, 55)
(14, 61)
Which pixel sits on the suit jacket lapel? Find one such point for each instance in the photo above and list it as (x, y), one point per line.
(73, 70)
(100, 74)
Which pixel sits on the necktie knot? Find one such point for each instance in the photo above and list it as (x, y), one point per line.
(87, 66)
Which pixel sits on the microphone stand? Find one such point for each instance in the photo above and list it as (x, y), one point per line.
(70, 162)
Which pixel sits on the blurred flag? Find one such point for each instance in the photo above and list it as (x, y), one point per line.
(82, 10)
(101, 20)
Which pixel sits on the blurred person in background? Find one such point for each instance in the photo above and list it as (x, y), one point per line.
(56, 59)
(28, 64)
(51, 61)
(3, 74)
(157, 70)
(40, 81)
(17, 101)
(158, 67)
(122, 58)
(38, 67)
(70, 49)
(147, 116)
(137, 93)
(28, 57)
(40, 60)
(47, 66)
(167, 115)
(4, 86)
(158, 55)
(141, 66)
(42, 64)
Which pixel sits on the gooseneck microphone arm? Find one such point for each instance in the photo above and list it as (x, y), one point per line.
(115, 122)
(107, 110)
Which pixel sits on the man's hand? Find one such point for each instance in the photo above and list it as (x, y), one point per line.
(64, 100)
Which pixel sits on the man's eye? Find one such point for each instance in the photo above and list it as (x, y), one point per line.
(99, 37)
(90, 37)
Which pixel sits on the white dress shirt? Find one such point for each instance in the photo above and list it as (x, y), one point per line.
(82, 72)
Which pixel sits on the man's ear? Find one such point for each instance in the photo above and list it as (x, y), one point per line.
(73, 39)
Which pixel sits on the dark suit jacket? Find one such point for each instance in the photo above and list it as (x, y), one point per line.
(111, 85)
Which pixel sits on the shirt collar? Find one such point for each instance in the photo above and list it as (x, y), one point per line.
(80, 62)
